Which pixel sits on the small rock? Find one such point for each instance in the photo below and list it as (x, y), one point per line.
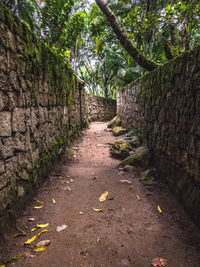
(43, 243)
(62, 227)
(81, 213)
(125, 182)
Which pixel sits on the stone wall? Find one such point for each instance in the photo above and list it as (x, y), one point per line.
(100, 108)
(164, 107)
(43, 106)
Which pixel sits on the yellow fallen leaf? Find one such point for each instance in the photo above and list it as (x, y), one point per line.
(159, 209)
(97, 210)
(43, 231)
(60, 176)
(42, 225)
(53, 200)
(19, 234)
(139, 198)
(3, 265)
(40, 248)
(33, 229)
(38, 207)
(30, 240)
(103, 197)
(40, 201)
(131, 187)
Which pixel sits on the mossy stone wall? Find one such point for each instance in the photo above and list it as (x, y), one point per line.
(164, 108)
(100, 108)
(42, 108)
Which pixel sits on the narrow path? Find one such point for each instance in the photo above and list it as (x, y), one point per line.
(129, 232)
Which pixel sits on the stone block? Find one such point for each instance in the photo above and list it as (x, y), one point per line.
(14, 80)
(3, 81)
(18, 120)
(19, 143)
(7, 148)
(3, 101)
(5, 123)
(2, 169)
(3, 59)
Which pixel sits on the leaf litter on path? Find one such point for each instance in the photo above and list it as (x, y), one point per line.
(97, 210)
(103, 197)
(159, 209)
(11, 260)
(32, 239)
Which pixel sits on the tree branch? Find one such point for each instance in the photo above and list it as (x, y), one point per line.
(124, 39)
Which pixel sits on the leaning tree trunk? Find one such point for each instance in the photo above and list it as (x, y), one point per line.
(124, 39)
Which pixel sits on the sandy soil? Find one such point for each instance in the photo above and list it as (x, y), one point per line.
(128, 231)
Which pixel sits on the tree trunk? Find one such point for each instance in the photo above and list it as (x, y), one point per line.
(124, 39)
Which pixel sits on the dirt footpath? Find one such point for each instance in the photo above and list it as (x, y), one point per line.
(128, 232)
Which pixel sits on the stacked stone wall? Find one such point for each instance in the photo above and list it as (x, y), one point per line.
(100, 108)
(43, 106)
(164, 108)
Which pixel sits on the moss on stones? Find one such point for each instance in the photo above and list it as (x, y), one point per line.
(120, 149)
(140, 158)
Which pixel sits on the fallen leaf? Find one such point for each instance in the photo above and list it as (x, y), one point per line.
(131, 187)
(3, 265)
(33, 229)
(103, 197)
(43, 231)
(158, 262)
(42, 248)
(53, 200)
(12, 259)
(60, 176)
(139, 198)
(19, 234)
(40, 201)
(32, 239)
(42, 225)
(98, 239)
(38, 207)
(97, 210)
(159, 209)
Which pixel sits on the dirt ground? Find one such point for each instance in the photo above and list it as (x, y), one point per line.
(128, 231)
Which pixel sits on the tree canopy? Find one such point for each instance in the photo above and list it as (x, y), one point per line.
(111, 43)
